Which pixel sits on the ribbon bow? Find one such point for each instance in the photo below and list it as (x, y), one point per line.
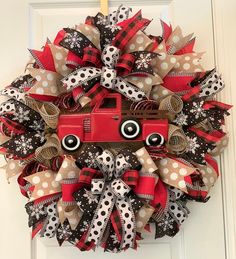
(114, 193)
(107, 75)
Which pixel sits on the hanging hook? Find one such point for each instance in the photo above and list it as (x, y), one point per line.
(104, 7)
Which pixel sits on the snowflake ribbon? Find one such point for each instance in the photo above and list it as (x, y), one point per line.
(138, 62)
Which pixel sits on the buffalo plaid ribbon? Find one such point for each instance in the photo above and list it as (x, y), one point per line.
(86, 175)
(212, 137)
(190, 95)
(116, 223)
(130, 177)
(92, 56)
(83, 245)
(129, 30)
(96, 93)
(125, 63)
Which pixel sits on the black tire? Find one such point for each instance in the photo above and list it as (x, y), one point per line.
(155, 139)
(130, 129)
(70, 143)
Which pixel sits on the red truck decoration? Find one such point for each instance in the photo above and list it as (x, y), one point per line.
(108, 122)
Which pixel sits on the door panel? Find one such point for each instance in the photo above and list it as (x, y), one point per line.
(202, 235)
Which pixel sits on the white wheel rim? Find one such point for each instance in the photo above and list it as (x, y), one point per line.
(162, 139)
(71, 148)
(123, 131)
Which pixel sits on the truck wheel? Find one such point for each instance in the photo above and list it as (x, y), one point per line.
(155, 139)
(70, 143)
(130, 129)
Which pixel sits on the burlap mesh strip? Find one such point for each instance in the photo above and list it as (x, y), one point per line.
(177, 141)
(48, 111)
(172, 103)
(50, 149)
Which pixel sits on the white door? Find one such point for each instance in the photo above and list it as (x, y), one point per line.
(209, 231)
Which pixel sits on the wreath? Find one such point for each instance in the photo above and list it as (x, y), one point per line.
(112, 130)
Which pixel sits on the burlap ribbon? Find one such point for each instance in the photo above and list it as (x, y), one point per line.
(143, 216)
(177, 142)
(48, 111)
(172, 103)
(52, 148)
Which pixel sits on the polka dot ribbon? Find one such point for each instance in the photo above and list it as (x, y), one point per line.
(113, 191)
(108, 74)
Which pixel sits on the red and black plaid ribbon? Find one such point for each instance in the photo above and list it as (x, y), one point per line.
(87, 174)
(190, 95)
(130, 177)
(129, 30)
(92, 56)
(116, 223)
(96, 93)
(212, 137)
(125, 64)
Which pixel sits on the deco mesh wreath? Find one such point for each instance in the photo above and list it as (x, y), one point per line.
(112, 130)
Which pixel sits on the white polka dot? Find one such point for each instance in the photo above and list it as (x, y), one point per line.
(64, 164)
(149, 161)
(163, 162)
(197, 70)
(55, 184)
(187, 58)
(175, 165)
(132, 46)
(59, 208)
(175, 39)
(40, 192)
(42, 71)
(205, 180)
(225, 142)
(209, 170)
(140, 48)
(142, 213)
(139, 39)
(155, 96)
(148, 80)
(36, 179)
(50, 77)
(172, 60)
(183, 171)
(39, 90)
(173, 176)
(202, 172)
(51, 191)
(45, 185)
(141, 160)
(160, 46)
(38, 78)
(58, 177)
(165, 170)
(139, 224)
(212, 180)
(196, 61)
(151, 170)
(186, 66)
(71, 174)
(64, 67)
(163, 56)
(164, 92)
(48, 175)
(44, 83)
(53, 89)
(140, 152)
(177, 65)
(182, 184)
(164, 65)
(58, 56)
(140, 84)
(86, 27)
(12, 166)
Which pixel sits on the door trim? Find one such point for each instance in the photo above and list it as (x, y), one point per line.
(222, 18)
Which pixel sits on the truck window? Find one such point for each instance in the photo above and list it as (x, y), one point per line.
(108, 103)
